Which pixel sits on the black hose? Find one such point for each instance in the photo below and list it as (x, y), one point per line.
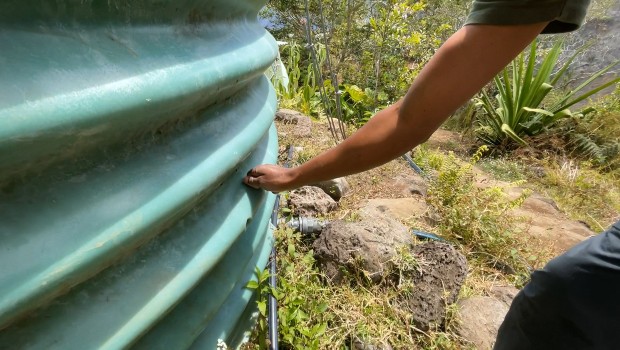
(273, 302)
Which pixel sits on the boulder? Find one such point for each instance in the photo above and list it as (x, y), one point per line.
(303, 123)
(366, 246)
(303, 127)
(435, 283)
(310, 201)
(288, 116)
(480, 318)
(335, 188)
(411, 184)
(504, 294)
(546, 222)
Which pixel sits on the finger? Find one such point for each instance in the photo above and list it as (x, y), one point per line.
(254, 173)
(252, 182)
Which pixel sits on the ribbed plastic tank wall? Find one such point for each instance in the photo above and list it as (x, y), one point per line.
(125, 130)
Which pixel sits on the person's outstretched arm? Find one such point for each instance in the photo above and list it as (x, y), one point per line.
(459, 69)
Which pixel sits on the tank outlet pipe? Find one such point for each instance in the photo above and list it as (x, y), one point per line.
(306, 225)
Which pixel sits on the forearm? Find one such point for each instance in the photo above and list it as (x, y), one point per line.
(460, 68)
(380, 140)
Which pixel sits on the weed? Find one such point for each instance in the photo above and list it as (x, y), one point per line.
(263, 290)
(478, 219)
(582, 192)
(403, 264)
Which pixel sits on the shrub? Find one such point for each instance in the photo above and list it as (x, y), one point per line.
(478, 219)
(521, 90)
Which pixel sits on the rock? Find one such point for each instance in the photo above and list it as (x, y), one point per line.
(368, 245)
(436, 283)
(361, 345)
(546, 222)
(335, 188)
(600, 32)
(504, 294)
(480, 318)
(402, 209)
(288, 116)
(310, 201)
(411, 184)
(303, 123)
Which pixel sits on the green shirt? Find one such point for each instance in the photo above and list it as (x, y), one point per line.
(564, 15)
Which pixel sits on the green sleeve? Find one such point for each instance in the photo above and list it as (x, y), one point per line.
(563, 15)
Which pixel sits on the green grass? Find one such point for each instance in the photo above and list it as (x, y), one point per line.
(504, 169)
(582, 192)
(317, 315)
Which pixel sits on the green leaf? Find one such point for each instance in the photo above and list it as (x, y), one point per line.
(382, 96)
(565, 113)
(357, 95)
(252, 285)
(538, 110)
(508, 130)
(276, 294)
(291, 249)
(264, 276)
(262, 307)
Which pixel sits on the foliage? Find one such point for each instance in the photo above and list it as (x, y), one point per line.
(582, 192)
(597, 135)
(263, 291)
(359, 105)
(377, 46)
(300, 321)
(393, 39)
(521, 91)
(479, 219)
(301, 92)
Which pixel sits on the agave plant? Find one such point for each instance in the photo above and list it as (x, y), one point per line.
(521, 89)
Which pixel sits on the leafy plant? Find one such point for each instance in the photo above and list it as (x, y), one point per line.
(360, 105)
(301, 91)
(263, 291)
(300, 326)
(478, 219)
(597, 135)
(521, 90)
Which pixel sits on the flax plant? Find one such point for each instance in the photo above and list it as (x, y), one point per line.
(521, 89)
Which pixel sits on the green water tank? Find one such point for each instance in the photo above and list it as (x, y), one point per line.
(125, 130)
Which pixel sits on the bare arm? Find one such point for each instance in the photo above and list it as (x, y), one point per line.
(461, 67)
